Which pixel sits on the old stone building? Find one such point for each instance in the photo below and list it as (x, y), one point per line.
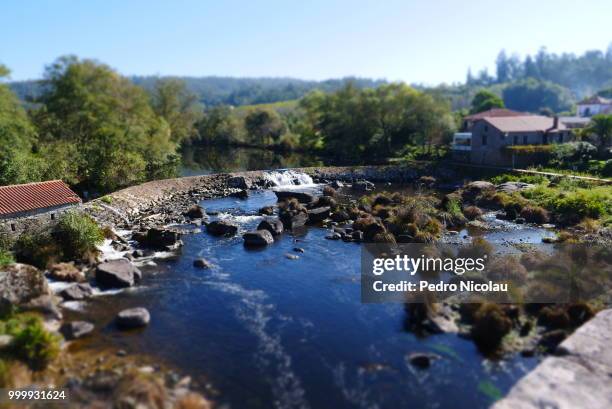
(33, 205)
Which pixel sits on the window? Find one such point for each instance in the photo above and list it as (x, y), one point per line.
(484, 139)
(515, 140)
(13, 228)
(486, 128)
(524, 139)
(52, 216)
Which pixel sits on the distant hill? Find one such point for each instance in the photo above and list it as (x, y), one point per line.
(229, 90)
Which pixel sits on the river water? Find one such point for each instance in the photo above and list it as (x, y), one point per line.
(269, 331)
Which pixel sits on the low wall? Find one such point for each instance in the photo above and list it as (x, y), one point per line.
(13, 227)
(580, 377)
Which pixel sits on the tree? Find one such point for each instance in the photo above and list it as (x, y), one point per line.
(17, 135)
(264, 126)
(217, 126)
(485, 100)
(532, 95)
(120, 139)
(172, 101)
(503, 67)
(601, 129)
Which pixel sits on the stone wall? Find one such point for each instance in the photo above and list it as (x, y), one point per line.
(38, 219)
(580, 376)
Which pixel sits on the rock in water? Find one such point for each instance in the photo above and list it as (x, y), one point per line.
(421, 360)
(195, 212)
(76, 329)
(133, 318)
(291, 221)
(239, 182)
(318, 215)
(201, 263)
(221, 228)
(66, 272)
(20, 283)
(301, 197)
(271, 224)
(266, 210)
(117, 274)
(76, 292)
(160, 238)
(258, 238)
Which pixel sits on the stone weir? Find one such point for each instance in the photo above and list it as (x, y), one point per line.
(169, 196)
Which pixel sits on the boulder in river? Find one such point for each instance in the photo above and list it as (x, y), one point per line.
(302, 197)
(160, 238)
(195, 212)
(20, 283)
(133, 318)
(76, 329)
(340, 216)
(271, 224)
(117, 274)
(318, 215)
(238, 182)
(257, 238)
(66, 272)
(421, 360)
(477, 188)
(76, 292)
(293, 220)
(221, 228)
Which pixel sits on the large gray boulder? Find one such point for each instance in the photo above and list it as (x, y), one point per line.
(239, 182)
(293, 220)
(20, 283)
(221, 228)
(258, 238)
(302, 197)
(271, 224)
(77, 292)
(117, 274)
(160, 238)
(477, 188)
(133, 318)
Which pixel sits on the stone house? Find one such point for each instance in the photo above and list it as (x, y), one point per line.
(488, 140)
(33, 205)
(593, 106)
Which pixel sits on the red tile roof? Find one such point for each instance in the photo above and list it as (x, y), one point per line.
(34, 196)
(494, 113)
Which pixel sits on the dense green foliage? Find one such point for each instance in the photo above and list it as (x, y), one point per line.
(32, 343)
(533, 96)
(485, 100)
(75, 237)
(601, 129)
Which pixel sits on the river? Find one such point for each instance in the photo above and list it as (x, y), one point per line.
(263, 330)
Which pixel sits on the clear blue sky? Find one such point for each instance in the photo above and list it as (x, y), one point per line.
(427, 41)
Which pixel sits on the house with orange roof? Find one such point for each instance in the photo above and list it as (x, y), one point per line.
(34, 204)
(492, 140)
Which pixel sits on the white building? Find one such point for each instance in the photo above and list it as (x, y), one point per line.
(594, 105)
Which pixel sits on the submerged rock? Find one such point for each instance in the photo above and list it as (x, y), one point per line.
(422, 360)
(201, 263)
(76, 329)
(271, 224)
(221, 228)
(117, 274)
(241, 194)
(133, 318)
(258, 238)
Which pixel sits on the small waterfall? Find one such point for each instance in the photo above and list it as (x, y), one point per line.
(284, 178)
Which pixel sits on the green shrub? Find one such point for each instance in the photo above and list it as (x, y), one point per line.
(573, 154)
(534, 214)
(31, 342)
(606, 169)
(5, 258)
(107, 199)
(78, 234)
(38, 248)
(525, 178)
